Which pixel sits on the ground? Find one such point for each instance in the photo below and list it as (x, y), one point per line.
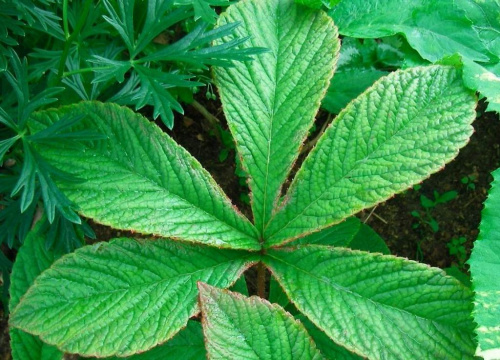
(406, 235)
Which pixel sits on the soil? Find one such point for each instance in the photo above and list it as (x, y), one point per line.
(406, 235)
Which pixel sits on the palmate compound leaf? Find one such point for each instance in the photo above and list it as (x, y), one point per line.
(405, 127)
(139, 179)
(123, 297)
(378, 306)
(237, 327)
(32, 259)
(485, 269)
(270, 103)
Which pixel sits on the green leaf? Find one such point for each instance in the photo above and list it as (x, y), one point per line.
(367, 239)
(270, 103)
(188, 344)
(405, 127)
(32, 259)
(486, 22)
(315, 4)
(347, 85)
(141, 180)
(338, 235)
(378, 306)
(485, 267)
(237, 327)
(486, 80)
(203, 10)
(325, 344)
(123, 297)
(435, 29)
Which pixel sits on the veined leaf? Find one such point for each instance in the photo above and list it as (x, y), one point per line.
(123, 297)
(378, 306)
(270, 103)
(140, 179)
(485, 267)
(32, 259)
(188, 344)
(237, 327)
(405, 127)
(434, 29)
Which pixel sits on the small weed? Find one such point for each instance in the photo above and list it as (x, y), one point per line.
(456, 247)
(469, 182)
(429, 204)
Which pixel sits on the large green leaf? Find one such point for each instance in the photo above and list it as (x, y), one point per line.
(434, 28)
(31, 260)
(139, 179)
(378, 306)
(486, 21)
(270, 103)
(123, 297)
(403, 128)
(485, 269)
(237, 327)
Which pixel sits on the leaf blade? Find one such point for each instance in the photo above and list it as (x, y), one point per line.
(358, 299)
(32, 259)
(141, 168)
(405, 127)
(270, 103)
(120, 298)
(237, 327)
(435, 30)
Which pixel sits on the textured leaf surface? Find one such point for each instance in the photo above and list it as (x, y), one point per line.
(31, 260)
(139, 179)
(123, 297)
(398, 132)
(379, 306)
(270, 103)
(485, 269)
(434, 28)
(188, 344)
(237, 327)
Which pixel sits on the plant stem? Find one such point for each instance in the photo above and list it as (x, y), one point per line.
(313, 142)
(206, 114)
(261, 280)
(70, 38)
(212, 120)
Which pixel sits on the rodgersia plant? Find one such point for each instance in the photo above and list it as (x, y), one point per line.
(131, 295)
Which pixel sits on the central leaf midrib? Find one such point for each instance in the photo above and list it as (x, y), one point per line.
(245, 263)
(349, 291)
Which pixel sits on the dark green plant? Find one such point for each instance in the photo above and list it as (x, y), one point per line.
(131, 295)
(456, 247)
(469, 182)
